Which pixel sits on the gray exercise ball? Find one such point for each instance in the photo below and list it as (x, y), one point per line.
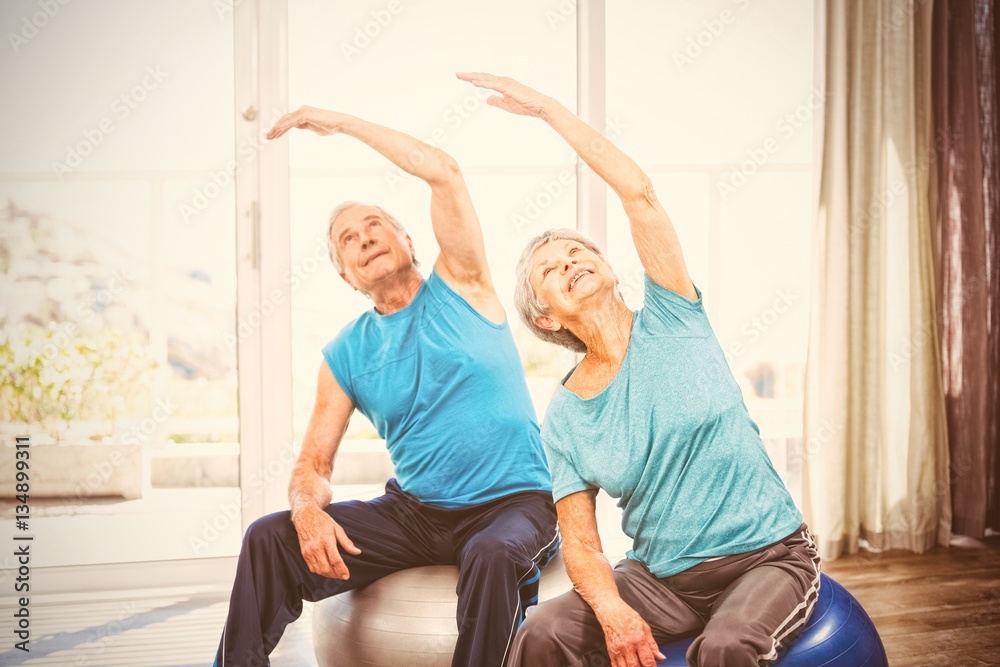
(405, 618)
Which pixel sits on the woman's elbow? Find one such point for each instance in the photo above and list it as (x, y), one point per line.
(639, 193)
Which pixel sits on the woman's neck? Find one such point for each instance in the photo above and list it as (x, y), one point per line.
(606, 334)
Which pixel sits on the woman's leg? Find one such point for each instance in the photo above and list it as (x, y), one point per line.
(763, 609)
(564, 631)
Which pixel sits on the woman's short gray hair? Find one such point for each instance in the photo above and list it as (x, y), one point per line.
(526, 301)
(331, 245)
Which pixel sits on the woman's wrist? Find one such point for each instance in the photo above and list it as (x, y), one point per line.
(550, 108)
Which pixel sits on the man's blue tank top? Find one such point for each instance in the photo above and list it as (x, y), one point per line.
(444, 387)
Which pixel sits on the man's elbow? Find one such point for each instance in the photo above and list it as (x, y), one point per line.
(446, 170)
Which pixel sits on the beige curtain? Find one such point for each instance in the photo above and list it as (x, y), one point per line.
(875, 453)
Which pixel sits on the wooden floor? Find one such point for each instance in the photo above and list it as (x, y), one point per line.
(940, 609)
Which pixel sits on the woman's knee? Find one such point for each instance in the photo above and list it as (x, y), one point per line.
(538, 633)
(722, 649)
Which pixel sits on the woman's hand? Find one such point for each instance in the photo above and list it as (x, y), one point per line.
(629, 638)
(320, 121)
(514, 97)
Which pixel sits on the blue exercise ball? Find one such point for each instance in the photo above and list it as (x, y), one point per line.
(838, 634)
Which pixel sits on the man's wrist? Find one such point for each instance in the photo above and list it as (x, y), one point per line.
(301, 506)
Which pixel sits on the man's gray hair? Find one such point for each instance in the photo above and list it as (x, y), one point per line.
(331, 244)
(526, 301)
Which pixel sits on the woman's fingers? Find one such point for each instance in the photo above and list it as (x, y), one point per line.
(478, 78)
(655, 648)
(483, 80)
(646, 658)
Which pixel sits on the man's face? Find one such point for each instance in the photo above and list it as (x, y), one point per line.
(371, 248)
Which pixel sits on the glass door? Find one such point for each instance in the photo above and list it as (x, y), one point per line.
(119, 332)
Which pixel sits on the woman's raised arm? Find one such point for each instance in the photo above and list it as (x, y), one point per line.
(654, 235)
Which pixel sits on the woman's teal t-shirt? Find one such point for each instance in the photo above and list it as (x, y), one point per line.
(671, 437)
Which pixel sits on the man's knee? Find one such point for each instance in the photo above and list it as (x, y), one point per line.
(264, 532)
(492, 549)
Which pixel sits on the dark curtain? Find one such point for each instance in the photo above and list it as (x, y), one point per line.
(965, 92)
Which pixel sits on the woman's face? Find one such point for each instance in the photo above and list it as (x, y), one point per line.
(565, 275)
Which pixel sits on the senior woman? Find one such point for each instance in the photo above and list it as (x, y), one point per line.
(652, 415)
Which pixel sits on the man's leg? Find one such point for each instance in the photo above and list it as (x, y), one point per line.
(272, 578)
(565, 632)
(501, 547)
(763, 609)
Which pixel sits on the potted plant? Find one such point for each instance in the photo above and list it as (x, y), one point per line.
(69, 389)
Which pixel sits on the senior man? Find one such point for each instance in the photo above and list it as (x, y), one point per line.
(434, 367)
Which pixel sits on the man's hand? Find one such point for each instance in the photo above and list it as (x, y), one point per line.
(319, 537)
(514, 97)
(629, 638)
(320, 121)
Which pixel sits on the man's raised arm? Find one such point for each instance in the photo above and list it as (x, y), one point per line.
(462, 262)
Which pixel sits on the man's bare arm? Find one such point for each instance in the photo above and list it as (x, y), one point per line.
(320, 537)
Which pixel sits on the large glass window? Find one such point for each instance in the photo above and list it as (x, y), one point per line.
(716, 100)
(118, 282)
